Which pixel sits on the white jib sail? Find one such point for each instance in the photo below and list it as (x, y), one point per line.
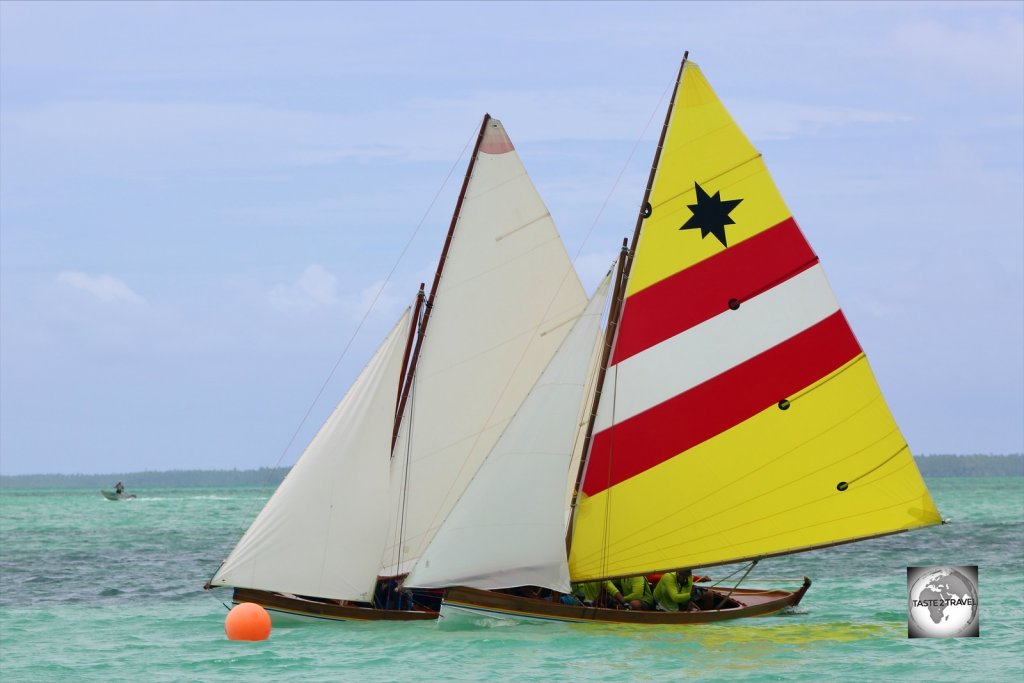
(583, 421)
(506, 299)
(508, 529)
(322, 532)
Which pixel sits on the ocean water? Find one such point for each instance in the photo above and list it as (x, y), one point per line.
(92, 590)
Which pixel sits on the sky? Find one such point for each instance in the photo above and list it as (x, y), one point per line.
(200, 201)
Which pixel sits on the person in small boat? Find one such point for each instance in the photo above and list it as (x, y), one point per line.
(596, 593)
(636, 593)
(674, 591)
(119, 488)
(391, 595)
(570, 599)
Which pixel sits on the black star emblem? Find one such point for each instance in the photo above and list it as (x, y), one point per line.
(710, 214)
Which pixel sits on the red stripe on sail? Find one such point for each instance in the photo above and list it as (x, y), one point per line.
(722, 402)
(703, 290)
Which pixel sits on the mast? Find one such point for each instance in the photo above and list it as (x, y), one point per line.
(420, 296)
(621, 278)
(606, 352)
(645, 207)
(429, 304)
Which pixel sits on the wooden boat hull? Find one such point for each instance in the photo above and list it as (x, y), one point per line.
(281, 605)
(113, 495)
(480, 603)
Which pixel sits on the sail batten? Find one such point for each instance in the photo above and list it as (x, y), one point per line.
(740, 418)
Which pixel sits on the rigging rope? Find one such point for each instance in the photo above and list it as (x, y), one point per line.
(629, 159)
(435, 523)
(404, 500)
(608, 498)
(355, 332)
(373, 303)
(733, 589)
(613, 303)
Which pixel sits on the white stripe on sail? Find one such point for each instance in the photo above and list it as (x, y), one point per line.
(718, 344)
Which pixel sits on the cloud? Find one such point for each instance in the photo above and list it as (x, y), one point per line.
(378, 298)
(315, 288)
(981, 50)
(130, 138)
(137, 139)
(774, 120)
(106, 288)
(97, 318)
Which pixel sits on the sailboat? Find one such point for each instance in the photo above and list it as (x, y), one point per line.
(735, 416)
(365, 498)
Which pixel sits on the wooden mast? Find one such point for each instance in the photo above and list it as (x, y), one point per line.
(429, 304)
(618, 297)
(420, 296)
(609, 336)
(645, 208)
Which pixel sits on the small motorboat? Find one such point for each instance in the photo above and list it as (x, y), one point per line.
(114, 495)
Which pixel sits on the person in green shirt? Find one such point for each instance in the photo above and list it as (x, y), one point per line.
(636, 592)
(595, 593)
(673, 591)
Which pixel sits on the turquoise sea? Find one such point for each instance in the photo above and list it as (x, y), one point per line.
(92, 590)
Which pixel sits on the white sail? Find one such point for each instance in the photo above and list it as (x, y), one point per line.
(507, 528)
(582, 422)
(506, 299)
(322, 532)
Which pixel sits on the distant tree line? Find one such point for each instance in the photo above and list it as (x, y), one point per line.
(929, 465)
(265, 476)
(971, 465)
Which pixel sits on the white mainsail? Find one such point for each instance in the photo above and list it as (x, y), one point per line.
(507, 528)
(322, 532)
(506, 299)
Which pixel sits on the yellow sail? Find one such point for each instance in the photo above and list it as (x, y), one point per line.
(739, 417)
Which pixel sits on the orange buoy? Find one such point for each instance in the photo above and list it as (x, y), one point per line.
(247, 621)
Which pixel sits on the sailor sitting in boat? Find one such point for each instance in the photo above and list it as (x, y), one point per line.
(596, 593)
(636, 593)
(389, 594)
(674, 591)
